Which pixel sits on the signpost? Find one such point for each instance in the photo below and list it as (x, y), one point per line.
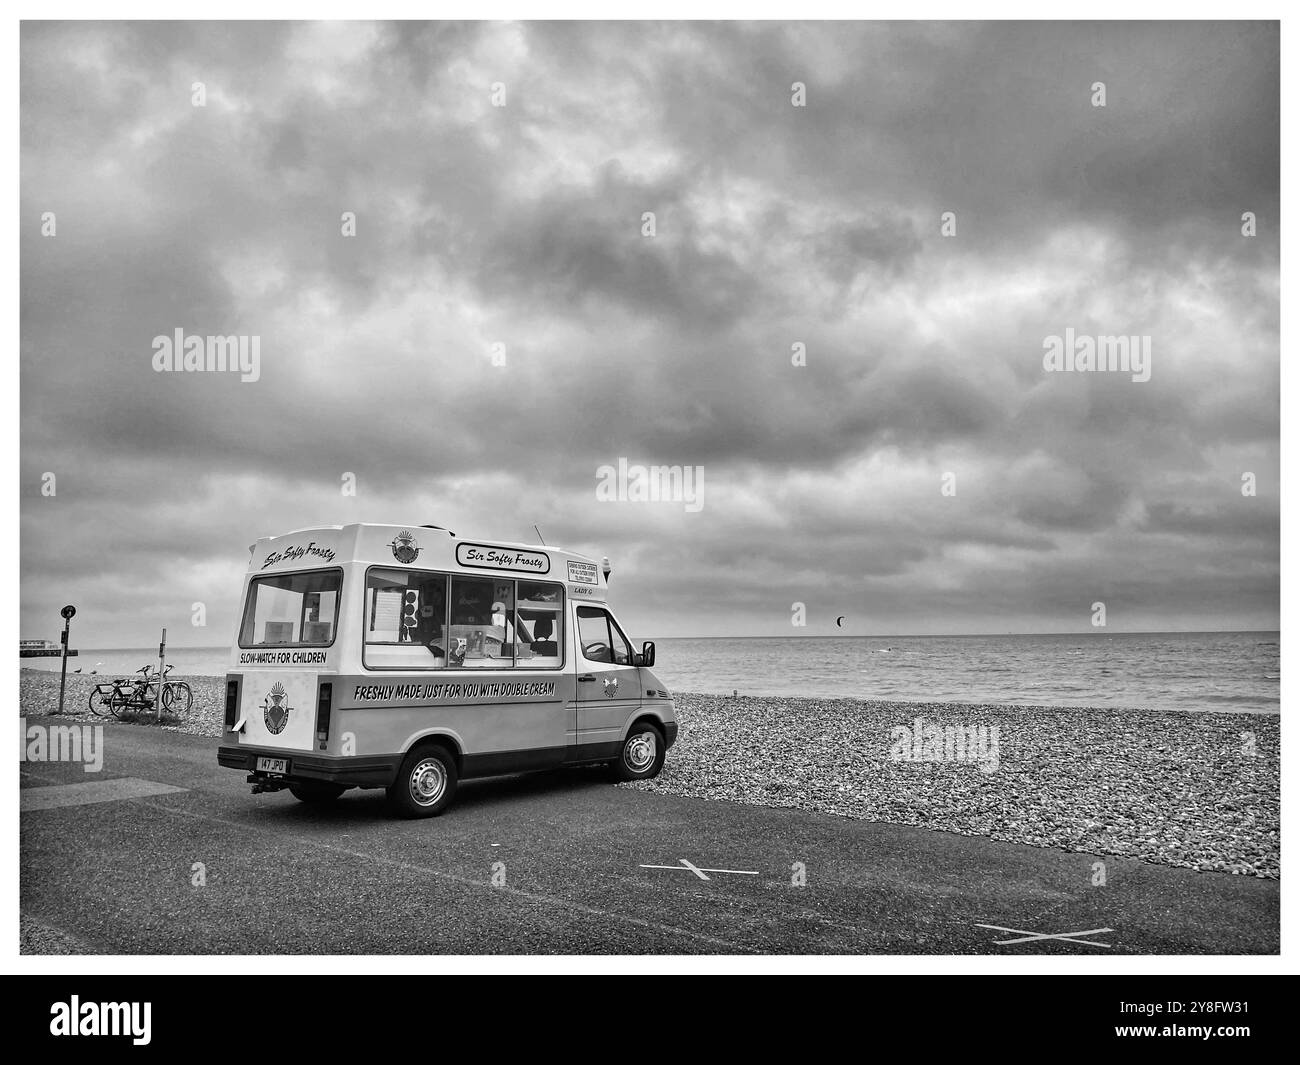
(68, 612)
(162, 655)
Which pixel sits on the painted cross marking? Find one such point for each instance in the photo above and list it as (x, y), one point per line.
(701, 872)
(1033, 937)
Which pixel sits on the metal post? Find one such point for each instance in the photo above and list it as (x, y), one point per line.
(162, 655)
(63, 672)
(67, 613)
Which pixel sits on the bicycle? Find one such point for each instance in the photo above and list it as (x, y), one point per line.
(178, 697)
(113, 698)
(122, 697)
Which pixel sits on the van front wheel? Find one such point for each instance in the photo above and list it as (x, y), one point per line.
(642, 755)
(425, 784)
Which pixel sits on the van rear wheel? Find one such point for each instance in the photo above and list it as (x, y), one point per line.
(642, 755)
(425, 784)
(316, 792)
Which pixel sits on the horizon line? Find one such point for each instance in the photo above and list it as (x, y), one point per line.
(835, 635)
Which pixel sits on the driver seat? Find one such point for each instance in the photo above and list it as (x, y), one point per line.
(542, 643)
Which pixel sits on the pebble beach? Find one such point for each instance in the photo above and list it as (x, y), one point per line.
(1197, 790)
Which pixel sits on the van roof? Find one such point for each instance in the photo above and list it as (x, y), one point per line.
(418, 546)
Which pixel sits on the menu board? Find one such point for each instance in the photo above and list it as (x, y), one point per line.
(386, 615)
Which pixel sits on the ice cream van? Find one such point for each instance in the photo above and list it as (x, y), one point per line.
(406, 658)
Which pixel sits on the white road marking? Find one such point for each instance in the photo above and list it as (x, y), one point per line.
(1032, 937)
(700, 872)
(58, 796)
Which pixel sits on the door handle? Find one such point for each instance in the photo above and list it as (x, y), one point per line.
(588, 677)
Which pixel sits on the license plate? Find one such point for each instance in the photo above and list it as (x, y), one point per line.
(273, 765)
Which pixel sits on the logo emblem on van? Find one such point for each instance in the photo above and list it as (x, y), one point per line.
(274, 713)
(611, 687)
(405, 549)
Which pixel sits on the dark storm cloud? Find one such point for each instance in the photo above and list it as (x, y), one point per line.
(574, 251)
(775, 226)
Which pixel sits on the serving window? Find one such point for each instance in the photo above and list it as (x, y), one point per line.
(292, 610)
(406, 619)
(482, 622)
(421, 620)
(539, 624)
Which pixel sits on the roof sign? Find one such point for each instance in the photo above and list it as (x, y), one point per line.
(484, 556)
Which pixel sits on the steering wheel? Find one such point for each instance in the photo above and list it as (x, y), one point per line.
(597, 652)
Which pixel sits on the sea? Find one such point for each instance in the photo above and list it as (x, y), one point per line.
(1194, 671)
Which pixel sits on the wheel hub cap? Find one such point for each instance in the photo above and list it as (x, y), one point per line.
(427, 782)
(640, 752)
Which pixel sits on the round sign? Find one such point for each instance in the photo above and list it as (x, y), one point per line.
(69, 611)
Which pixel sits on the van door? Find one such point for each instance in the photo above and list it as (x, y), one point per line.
(609, 685)
(278, 709)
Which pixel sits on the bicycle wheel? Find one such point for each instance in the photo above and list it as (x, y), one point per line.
(122, 704)
(177, 698)
(99, 704)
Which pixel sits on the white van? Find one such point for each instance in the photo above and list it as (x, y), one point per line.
(384, 656)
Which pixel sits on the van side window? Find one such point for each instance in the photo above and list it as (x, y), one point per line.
(593, 634)
(600, 637)
(622, 649)
(482, 622)
(539, 624)
(406, 619)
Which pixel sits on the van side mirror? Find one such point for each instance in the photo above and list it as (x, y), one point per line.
(647, 655)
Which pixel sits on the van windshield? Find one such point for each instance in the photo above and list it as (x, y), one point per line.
(292, 610)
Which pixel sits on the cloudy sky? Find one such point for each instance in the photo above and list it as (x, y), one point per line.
(774, 225)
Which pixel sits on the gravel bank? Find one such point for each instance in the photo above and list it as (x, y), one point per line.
(1181, 789)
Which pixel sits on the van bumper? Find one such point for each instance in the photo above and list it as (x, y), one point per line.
(670, 733)
(367, 771)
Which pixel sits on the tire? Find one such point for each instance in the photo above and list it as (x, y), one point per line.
(425, 783)
(316, 792)
(178, 698)
(119, 704)
(643, 753)
(99, 705)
